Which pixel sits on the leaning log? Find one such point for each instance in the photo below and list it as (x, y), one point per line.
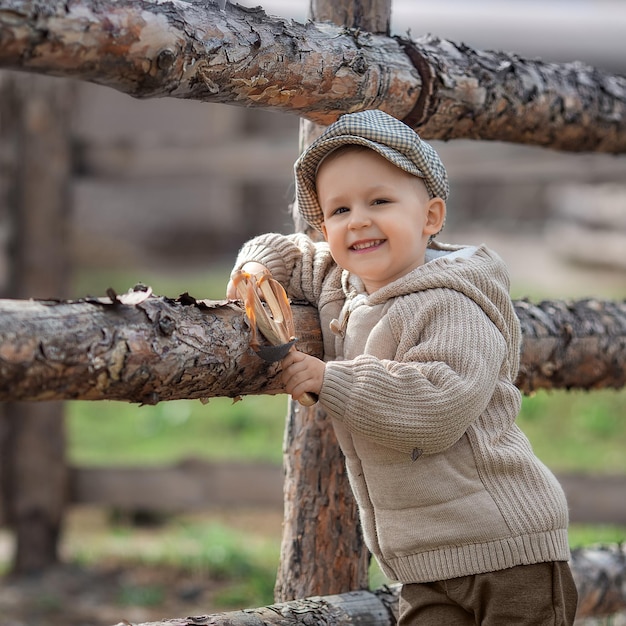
(142, 348)
(598, 572)
(243, 57)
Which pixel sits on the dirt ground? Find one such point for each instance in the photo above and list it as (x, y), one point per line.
(115, 592)
(79, 596)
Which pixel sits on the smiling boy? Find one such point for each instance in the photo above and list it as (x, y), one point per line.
(422, 348)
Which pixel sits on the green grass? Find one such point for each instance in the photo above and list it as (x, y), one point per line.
(240, 566)
(581, 535)
(118, 433)
(569, 431)
(576, 430)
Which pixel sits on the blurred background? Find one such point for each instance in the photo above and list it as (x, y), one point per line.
(165, 191)
(173, 184)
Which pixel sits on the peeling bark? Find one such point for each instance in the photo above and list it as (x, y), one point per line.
(365, 608)
(243, 57)
(155, 350)
(143, 348)
(474, 94)
(197, 51)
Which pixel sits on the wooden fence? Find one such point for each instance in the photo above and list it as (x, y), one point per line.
(199, 485)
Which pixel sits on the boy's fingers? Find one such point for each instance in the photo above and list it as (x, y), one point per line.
(293, 356)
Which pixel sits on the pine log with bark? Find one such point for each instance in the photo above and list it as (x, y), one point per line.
(244, 57)
(142, 348)
(134, 347)
(579, 344)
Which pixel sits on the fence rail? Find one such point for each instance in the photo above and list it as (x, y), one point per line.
(195, 485)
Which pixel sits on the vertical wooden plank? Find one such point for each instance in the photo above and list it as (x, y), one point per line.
(322, 550)
(34, 131)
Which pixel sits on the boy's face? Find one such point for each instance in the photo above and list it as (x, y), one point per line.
(377, 217)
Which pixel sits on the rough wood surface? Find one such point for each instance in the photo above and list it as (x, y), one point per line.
(599, 574)
(478, 94)
(241, 56)
(157, 349)
(578, 344)
(362, 608)
(320, 512)
(143, 348)
(197, 51)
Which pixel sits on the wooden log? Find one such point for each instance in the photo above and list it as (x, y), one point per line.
(579, 344)
(320, 513)
(36, 114)
(195, 485)
(135, 347)
(598, 572)
(243, 57)
(191, 485)
(236, 56)
(365, 608)
(143, 348)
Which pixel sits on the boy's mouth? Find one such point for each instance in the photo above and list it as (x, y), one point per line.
(366, 245)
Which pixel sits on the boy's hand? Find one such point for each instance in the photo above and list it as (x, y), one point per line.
(302, 373)
(253, 268)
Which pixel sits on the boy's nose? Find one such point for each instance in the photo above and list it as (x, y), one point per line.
(359, 219)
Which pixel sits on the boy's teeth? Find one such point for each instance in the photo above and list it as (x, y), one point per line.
(361, 246)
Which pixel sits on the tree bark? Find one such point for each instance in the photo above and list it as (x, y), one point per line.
(598, 572)
(36, 116)
(362, 608)
(154, 350)
(572, 344)
(241, 56)
(320, 512)
(147, 349)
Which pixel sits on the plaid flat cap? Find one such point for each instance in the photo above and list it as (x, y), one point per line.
(381, 132)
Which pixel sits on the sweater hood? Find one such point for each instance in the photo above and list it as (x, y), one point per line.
(475, 271)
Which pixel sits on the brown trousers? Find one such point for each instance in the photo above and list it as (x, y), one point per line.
(526, 595)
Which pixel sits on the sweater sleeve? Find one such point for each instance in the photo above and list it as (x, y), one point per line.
(450, 356)
(298, 263)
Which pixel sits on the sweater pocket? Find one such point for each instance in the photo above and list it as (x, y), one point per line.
(436, 501)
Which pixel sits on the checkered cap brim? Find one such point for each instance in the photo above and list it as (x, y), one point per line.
(381, 132)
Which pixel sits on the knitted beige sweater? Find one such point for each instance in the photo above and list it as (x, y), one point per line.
(419, 385)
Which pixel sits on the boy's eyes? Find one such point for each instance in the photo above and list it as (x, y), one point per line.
(345, 209)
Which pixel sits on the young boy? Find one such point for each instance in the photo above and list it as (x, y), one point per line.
(422, 348)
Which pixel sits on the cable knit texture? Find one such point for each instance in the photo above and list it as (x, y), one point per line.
(420, 387)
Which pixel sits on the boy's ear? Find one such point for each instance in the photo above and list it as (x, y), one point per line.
(435, 216)
(324, 231)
